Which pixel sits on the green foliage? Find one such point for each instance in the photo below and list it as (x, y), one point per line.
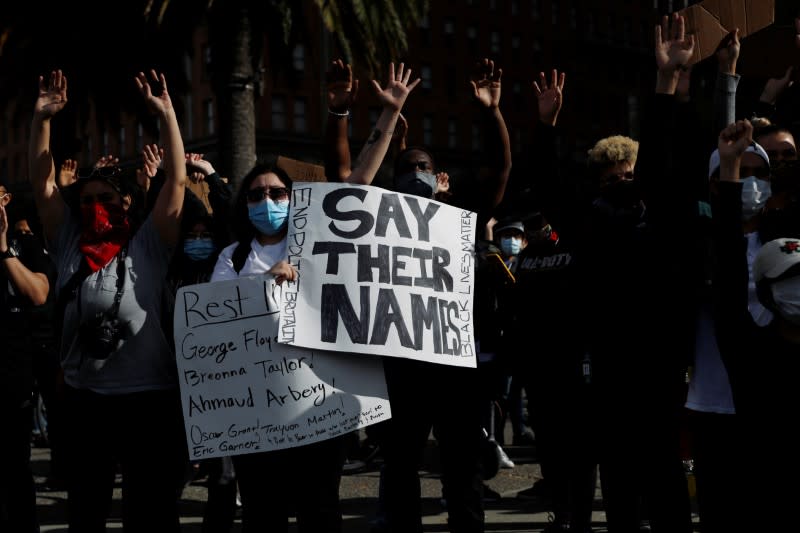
(371, 33)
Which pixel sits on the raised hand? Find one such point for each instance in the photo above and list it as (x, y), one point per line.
(550, 97)
(3, 228)
(68, 173)
(52, 95)
(734, 140)
(775, 87)
(197, 167)
(728, 52)
(152, 156)
(342, 88)
(442, 182)
(486, 83)
(674, 48)
(400, 133)
(161, 103)
(106, 161)
(397, 89)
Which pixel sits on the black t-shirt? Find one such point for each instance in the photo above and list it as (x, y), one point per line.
(19, 319)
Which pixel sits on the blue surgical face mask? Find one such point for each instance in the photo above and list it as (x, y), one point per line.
(755, 193)
(416, 183)
(269, 217)
(198, 249)
(511, 246)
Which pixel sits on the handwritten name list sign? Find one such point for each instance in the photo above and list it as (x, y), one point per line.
(243, 392)
(381, 273)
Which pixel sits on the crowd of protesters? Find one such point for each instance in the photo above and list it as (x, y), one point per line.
(648, 309)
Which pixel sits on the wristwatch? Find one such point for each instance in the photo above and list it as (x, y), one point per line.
(9, 253)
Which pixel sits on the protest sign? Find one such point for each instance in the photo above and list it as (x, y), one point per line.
(380, 273)
(242, 392)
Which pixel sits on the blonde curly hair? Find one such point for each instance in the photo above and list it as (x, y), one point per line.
(612, 150)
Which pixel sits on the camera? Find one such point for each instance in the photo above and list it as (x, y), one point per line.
(100, 336)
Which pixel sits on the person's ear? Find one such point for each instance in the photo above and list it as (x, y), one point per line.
(126, 201)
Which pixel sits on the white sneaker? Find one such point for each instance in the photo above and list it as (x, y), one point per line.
(503, 459)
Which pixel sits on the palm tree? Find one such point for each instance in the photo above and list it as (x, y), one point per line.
(36, 37)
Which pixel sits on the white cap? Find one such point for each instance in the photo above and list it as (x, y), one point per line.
(776, 257)
(713, 162)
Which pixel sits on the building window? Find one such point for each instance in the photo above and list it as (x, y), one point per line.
(450, 78)
(573, 18)
(206, 67)
(515, 7)
(536, 9)
(452, 133)
(106, 147)
(278, 113)
(121, 142)
(300, 115)
(427, 130)
(554, 12)
(476, 137)
(515, 47)
(449, 26)
(299, 58)
(139, 138)
(208, 113)
(472, 39)
(426, 74)
(492, 4)
(494, 44)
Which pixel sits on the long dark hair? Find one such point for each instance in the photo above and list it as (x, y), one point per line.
(243, 229)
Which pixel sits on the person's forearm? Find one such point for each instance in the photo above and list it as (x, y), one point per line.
(724, 101)
(30, 285)
(174, 157)
(374, 150)
(41, 168)
(498, 145)
(337, 148)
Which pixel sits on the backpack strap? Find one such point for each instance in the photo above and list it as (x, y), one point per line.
(240, 255)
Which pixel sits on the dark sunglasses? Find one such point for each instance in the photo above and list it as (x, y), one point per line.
(199, 235)
(759, 172)
(275, 193)
(614, 178)
(106, 172)
(409, 166)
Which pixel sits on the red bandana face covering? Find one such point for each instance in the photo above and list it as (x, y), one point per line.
(105, 230)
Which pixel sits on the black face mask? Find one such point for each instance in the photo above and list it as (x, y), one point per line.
(416, 183)
(622, 194)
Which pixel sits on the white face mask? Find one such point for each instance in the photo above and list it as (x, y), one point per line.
(786, 294)
(755, 193)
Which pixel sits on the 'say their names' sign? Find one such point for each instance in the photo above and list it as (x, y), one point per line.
(381, 273)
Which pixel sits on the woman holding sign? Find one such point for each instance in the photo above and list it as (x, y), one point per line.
(305, 478)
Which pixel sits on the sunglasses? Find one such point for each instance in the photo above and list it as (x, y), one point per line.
(110, 171)
(614, 178)
(275, 194)
(199, 235)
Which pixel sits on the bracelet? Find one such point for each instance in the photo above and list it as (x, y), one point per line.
(345, 114)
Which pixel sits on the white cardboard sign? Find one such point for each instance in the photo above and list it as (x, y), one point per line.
(380, 273)
(243, 392)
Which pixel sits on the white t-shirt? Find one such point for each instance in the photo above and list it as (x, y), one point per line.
(260, 260)
(709, 387)
(761, 315)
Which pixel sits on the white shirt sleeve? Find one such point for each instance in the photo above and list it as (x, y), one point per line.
(223, 270)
